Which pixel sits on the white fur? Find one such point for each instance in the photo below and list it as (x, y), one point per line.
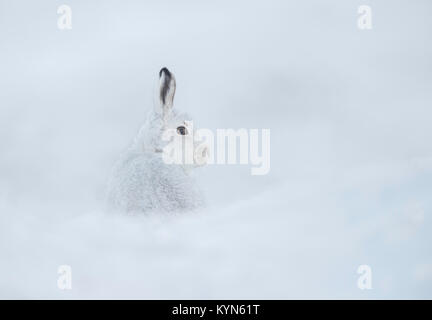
(141, 181)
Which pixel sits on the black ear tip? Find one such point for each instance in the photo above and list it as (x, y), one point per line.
(164, 71)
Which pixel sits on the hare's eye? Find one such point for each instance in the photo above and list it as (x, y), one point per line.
(181, 130)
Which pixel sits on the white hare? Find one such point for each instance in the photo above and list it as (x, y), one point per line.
(142, 181)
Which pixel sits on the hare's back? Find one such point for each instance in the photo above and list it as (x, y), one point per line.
(130, 186)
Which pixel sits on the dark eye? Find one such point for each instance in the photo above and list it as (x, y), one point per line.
(181, 130)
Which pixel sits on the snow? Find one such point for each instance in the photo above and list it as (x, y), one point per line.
(351, 167)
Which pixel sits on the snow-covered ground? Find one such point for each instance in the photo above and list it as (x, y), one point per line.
(351, 160)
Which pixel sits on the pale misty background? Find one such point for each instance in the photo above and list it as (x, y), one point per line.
(351, 158)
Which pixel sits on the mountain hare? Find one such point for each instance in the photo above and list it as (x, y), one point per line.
(142, 180)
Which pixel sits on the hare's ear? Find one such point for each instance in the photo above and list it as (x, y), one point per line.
(167, 89)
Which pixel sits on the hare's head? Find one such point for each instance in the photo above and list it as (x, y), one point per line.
(176, 138)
